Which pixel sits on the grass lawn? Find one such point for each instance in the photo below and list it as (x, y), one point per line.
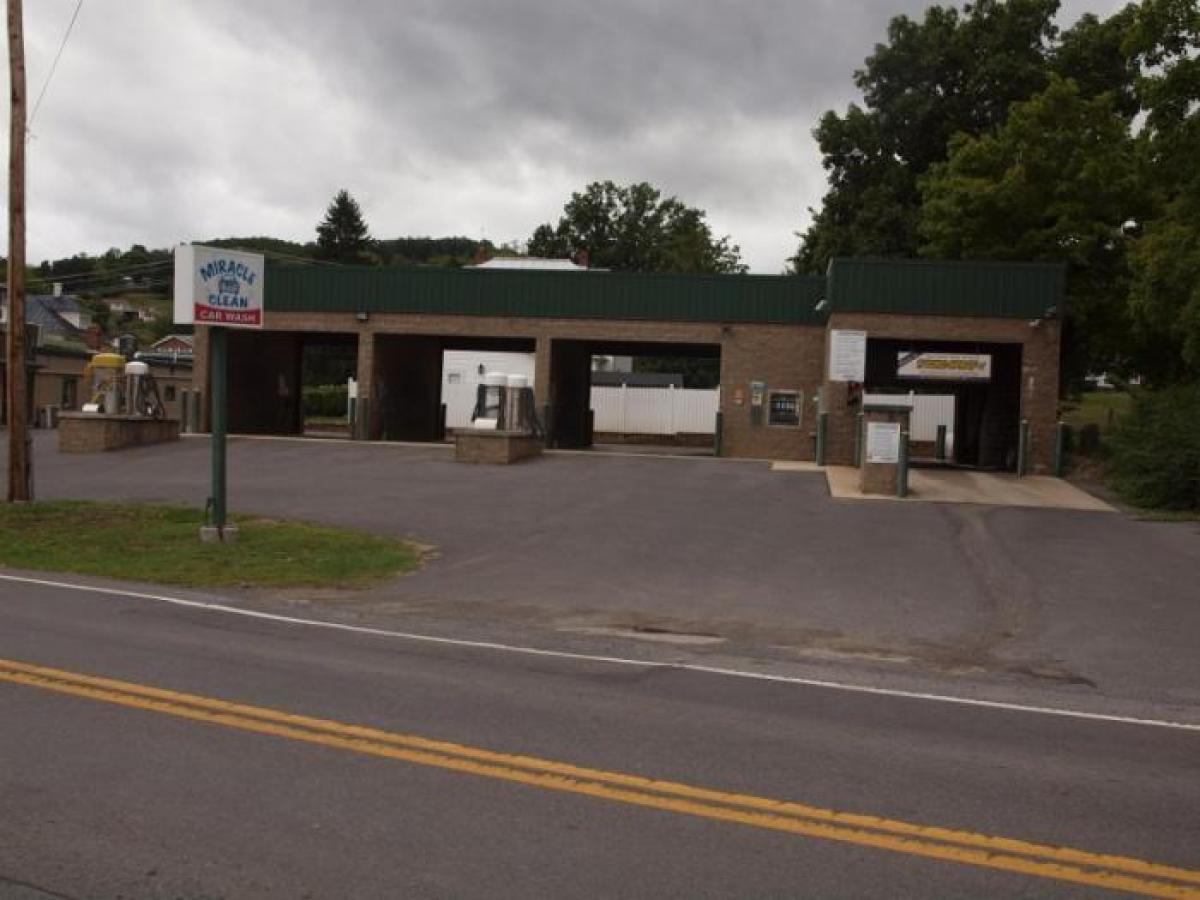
(1101, 408)
(161, 543)
(326, 422)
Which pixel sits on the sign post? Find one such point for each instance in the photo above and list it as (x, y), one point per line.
(218, 350)
(222, 289)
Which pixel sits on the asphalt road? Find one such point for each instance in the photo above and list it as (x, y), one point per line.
(1091, 603)
(106, 792)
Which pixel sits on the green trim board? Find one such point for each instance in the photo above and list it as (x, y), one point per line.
(783, 299)
(933, 287)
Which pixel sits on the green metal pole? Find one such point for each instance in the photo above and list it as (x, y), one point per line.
(1060, 449)
(822, 434)
(902, 469)
(858, 439)
(940, 446)
(218, 350)
(717, 441)
(1023, 448)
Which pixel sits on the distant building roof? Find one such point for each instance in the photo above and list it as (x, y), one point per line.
(181, 338)
(531, 262)
(48, 313)
(64, 303)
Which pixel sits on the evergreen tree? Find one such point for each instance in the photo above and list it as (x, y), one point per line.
(342, 235)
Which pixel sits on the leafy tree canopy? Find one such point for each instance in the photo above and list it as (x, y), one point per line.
(1165, 257)
(947, 73)
(342, 236)
(1057, 182)
(635, 229)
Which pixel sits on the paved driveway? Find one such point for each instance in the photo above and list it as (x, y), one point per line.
(730, 548)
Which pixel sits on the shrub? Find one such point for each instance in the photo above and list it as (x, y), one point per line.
(1089, 439)
(1156, 450)
(325, 400)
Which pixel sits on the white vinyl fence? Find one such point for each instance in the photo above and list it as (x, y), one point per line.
(929, 411)
(669, 410)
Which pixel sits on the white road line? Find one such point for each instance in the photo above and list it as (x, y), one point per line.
(613, 660)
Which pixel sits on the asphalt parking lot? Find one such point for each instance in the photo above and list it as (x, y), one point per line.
(724, 548)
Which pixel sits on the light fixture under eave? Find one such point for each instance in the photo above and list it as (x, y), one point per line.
(362, 315)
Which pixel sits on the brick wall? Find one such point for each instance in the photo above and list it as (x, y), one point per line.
(785, 357)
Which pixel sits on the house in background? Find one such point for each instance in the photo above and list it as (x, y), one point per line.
(125, 311)
(58, 317)
(173, 343)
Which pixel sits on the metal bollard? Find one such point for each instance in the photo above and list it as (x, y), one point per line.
(939, 450)
(197, 412)
(362, 417)
(902, 468)
(822, 436)
(717, 435)
(1023, 449)
(185, 411)
(1060, 448)
(859, 426)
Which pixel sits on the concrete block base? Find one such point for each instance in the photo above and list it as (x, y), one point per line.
(495, 447)
(211, 534)
(91, 433)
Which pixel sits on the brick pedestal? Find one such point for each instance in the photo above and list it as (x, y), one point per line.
(881, 477)
(495, 447)
(91, 433)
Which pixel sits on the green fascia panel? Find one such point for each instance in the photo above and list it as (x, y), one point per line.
(928, 287)
(784, 299)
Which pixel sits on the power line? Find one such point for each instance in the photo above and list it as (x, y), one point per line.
(103, 273)
(53, 66)
(305, 259)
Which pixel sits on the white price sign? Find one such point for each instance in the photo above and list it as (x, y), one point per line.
(883, 442)
(847, 355)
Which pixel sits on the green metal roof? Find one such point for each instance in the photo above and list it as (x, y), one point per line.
(928, 287)
(790, 299)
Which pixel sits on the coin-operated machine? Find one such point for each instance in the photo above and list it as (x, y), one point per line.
(141, 392)
(119, 388)
(104, 374)
(505, 403)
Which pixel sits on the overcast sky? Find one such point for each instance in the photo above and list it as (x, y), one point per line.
(177, 120)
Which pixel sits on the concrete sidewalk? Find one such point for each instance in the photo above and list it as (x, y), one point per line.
(962, 486)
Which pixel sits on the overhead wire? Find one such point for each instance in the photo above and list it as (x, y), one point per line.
(53, 67)
(103, 273)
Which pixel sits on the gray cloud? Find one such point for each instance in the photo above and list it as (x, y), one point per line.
(199, 118)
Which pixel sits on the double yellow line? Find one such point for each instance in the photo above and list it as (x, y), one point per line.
(1007, 854)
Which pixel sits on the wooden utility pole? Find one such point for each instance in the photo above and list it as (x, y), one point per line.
(18, 424)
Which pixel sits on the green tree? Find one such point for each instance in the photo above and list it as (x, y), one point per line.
(635, 229)
(950, 72)
(1057, 182)
(1165, 257)
(1095, 53)
(342, 236)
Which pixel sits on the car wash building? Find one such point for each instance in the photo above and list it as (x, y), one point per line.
(797, 354)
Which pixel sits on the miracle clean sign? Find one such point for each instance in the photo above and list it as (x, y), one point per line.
(218, 287)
